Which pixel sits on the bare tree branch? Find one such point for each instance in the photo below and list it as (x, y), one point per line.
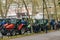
(7, 6)
(26, 8)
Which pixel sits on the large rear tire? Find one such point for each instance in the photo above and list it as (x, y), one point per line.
(13, 33)
(22, 31)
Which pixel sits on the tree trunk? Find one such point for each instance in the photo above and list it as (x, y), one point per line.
(44, 2)
(55, 10)
(7, 6)
(1, 12)
(59, 3)
(26, 8)
(43, 11)
(46, 9)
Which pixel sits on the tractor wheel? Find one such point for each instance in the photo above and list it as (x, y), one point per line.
(22, 31)
(13, 33)
(3, 32)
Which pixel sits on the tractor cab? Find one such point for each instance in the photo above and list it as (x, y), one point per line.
(13, 21)
(6, 22)
(3, 22)
(39, 24)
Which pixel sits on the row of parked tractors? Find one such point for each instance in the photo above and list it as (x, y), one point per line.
(15, 26)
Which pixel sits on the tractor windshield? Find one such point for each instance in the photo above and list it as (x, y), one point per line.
(41, 21)
(13, 21)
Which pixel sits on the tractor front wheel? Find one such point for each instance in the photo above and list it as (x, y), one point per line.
(3, 32)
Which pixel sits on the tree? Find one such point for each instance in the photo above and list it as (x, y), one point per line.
(44, 3)
(43, 11)
(5, 7)
(55, 10)
(1, 9)
(59, 3)
(26, 8)
(34, 7)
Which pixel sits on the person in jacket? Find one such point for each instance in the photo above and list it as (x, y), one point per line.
(52, 23)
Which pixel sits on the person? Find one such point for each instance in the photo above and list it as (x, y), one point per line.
(58, 25)
(52, 23)
(23, 21)
(3, 22)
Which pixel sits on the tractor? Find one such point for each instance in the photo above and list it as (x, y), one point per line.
(39, 25)
(14, 26)
(4, 21)
(36, 26)
(21, 26)
(8, 28)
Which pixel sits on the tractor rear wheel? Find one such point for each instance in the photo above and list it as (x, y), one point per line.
(12, 33)
(22, 31)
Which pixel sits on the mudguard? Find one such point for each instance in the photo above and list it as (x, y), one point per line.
(6, 24)
(20, 26)
(11, 26)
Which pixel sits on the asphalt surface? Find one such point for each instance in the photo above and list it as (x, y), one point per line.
(49, 36)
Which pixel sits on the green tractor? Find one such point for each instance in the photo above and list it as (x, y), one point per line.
(39, 25)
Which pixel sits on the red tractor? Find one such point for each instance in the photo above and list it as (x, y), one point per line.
(8, 28)
(21, 28)
(13, 27)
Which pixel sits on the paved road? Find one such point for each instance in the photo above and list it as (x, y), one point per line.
(49, 36)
